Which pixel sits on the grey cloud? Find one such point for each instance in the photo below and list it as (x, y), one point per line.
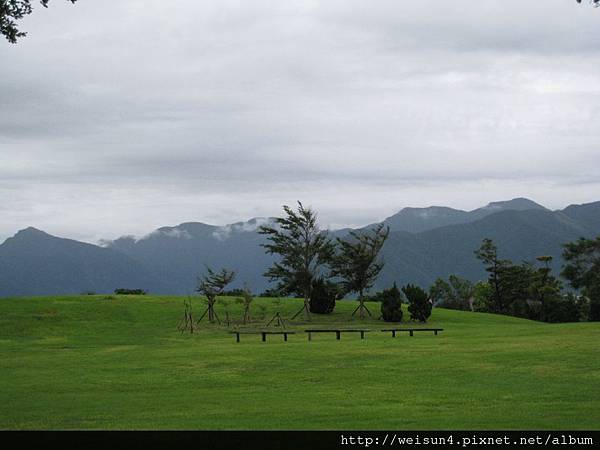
(219, 111)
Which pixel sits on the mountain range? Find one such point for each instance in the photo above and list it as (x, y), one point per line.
(424, 244)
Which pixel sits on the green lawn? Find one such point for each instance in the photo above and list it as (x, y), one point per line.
(92, 362)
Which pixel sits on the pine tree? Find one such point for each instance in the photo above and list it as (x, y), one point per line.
(419, 304)
(391, 304)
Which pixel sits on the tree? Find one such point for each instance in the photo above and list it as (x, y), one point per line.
(419, 304)
(13, 10)
(582, 269)
(561, 309)
(357, 264)
(323, 296)
(276, 320)
(391, 304)
(187, 321)
(246, 300)
(516, 281)
(303, 249)
(212, 285)
(482, 294)
(544, 289)
(456, 293)
(596, 3)
(488, 254)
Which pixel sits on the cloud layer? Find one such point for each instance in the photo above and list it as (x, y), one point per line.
(120, 117)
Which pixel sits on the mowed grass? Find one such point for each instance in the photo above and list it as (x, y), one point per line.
(91, 362)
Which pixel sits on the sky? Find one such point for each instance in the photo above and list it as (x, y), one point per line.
(118, 117)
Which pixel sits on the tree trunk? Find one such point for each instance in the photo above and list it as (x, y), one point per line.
(361, 300)
(307, 307)
(211, 313)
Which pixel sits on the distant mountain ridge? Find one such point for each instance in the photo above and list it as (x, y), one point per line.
(169, 259)
(35, 263)
(416, 220)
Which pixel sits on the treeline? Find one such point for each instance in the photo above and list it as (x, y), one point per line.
(526, 290)
(530, 290)
(310, 265)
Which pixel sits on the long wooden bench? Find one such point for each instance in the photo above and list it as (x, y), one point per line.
(337, 332)
(412, 330)
(262, 333)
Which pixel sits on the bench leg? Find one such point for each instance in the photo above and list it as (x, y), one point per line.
(411, 332)
(264, 337)
(337, 335)
(285, 337)
(309, 336)
(435, 332)
(237, 337)
(362, 334)
(394, 333)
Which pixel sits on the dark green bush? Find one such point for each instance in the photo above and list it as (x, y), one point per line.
(562, 309)
(123, 291)
(391, 304)
(419, 305)
(323, 296)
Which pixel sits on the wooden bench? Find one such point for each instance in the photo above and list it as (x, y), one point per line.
(337, 332)
(262, 333)
(412, 330)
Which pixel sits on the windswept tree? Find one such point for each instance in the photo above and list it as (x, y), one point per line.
(357, 263)
(13, 10)
(304, 252)
(582, 269)
(212, 285)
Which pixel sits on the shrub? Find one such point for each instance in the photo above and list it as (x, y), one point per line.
(565, 309)
(482, 295)
(593, 294)
(419, 305)
(323, 296)
(456, 293)
(123, 291)
(391, 304)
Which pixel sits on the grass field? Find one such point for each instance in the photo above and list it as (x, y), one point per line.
(92, 362)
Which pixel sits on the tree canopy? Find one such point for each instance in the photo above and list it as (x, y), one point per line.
(13, 10)
(596, 3)
(582, 269)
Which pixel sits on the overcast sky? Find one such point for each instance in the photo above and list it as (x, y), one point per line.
(117, 117)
